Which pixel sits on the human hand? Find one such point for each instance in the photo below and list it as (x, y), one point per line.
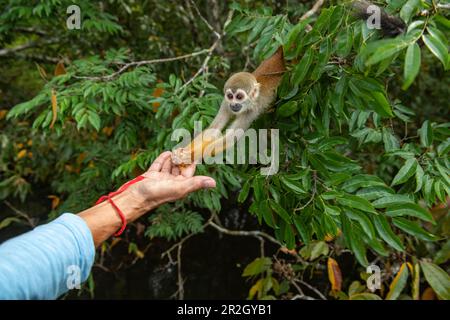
(166, 182)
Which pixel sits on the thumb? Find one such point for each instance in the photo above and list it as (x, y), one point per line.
(198, 182)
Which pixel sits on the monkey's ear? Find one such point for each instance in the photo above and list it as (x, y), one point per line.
(255, 91)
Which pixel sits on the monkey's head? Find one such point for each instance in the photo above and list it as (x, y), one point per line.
(241, 91)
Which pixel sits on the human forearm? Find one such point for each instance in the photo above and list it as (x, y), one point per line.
(103, 220)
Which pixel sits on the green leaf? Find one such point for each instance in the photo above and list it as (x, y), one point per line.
(386, 233)
(363, 220)
(301, 69)
(287, 109)
(280, 211)
(361, 181)
(405, 172)
(391, 200)
(257, 266)
(292, 185)
(409, 209)
(318, 249)
(443, 255)
(267, 214)
(443, 172)
(383, 107)
(389, 139)
(426, 134)
(408, 9)
(385, 49)
(438, 279)
(399, 283)
(94, 120)
(356, 202)
(353, 240)
(413, 229)
(419, 178)
(244, 192)
(7, 221)
(301, 228)
(372, 193)
(436, 47)
(365, 296)
(412, 65)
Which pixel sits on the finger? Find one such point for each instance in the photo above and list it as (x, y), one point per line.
(196, 183)
(189, 170)
(175, 170)
(167, 165)
(158, 163)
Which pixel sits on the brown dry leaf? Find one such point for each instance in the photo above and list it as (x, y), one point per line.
(334, 275)
(157, 93)
(59, 69)
(428, 294)
(288, 251)
(81, 157)
(55, 201)
(54, 108)
(107, 131)
(3, 114)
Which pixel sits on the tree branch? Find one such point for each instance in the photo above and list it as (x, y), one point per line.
(255, 233)
(141, 63)
(317, 5)
(30, 44)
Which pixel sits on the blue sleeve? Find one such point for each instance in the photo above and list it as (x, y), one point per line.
(47, 261)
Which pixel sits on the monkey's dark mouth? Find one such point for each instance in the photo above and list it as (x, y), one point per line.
(236, 107)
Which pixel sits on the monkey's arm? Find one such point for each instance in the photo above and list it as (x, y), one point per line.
(186, 154)
(234, 133)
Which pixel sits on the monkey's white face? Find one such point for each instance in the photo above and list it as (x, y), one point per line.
(238, 101)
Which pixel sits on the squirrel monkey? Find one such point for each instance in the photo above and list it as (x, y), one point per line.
(246, 96)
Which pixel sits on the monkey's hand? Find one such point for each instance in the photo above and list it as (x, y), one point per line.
(182, 156)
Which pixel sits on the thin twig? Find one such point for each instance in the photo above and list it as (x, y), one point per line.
(211, 49)
(31, 44)
(31, 221)
(312, 195)
(311, 288)
(141, 63)
(310, 12)
(255, 233)
(216, 33)
(313, 10)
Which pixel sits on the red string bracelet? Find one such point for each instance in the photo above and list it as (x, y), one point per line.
(114, 193)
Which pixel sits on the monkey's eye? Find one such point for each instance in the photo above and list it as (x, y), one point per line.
(239, 96)
(230, 96)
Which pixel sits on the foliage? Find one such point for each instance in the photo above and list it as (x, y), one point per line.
(362, 119)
